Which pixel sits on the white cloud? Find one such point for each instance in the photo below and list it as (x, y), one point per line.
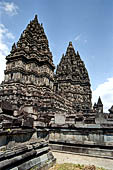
(105, 91)
(9, 7)
(5, 36)
(10, 35)
(77, 38)
(81, 38)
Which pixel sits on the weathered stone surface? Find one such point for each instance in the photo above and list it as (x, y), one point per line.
(73, 81)
(35, 95)
(60, 119)
(29, 66)
(85, 135)
(83, 150)
(26, 156)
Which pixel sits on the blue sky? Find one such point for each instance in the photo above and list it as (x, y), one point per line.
(87, 23)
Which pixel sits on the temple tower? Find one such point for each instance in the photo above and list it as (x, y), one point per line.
(72, 80)
(98, 107)
(29, 65)
(30, 61)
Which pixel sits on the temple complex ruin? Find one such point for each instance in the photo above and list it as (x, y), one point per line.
(53, 105)
(30, 79)
(32, 84)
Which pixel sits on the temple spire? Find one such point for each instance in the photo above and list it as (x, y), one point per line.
(78, 53)
(36, 18)
(99, 101)
(70, 44)
(33, 41)
(13, 48)
(71, 70)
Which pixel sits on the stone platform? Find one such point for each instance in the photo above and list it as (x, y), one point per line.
(21, 150)
(93, 141)
(82, 150)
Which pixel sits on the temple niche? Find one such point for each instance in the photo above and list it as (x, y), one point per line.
(72, 80)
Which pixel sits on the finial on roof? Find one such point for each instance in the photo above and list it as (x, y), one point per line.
(99, 101)
(36, 18)
(63, 55)
(78, 53)
(13, 47)
(70, 43)
(111, 110)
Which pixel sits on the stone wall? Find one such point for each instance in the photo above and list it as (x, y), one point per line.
(11, 137)
(33, 154)
(22, 150)
(83, 136)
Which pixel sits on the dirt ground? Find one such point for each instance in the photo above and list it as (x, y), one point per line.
(83, 160)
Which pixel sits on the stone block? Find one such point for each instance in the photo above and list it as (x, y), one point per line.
(60, 119)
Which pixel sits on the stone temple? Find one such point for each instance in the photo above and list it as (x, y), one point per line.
(41, 106)
(32, 85)
(72, 80)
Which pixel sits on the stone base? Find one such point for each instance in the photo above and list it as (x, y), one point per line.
(32, 154)
(83, 150)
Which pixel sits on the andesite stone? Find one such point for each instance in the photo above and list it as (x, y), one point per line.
(31, 87)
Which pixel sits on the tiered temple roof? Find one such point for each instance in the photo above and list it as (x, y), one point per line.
(33, 44)
(29, 76)
(30, 80)
(72, 68)
(73, 80)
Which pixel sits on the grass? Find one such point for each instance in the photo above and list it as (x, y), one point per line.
(70, 166)
(34, 168)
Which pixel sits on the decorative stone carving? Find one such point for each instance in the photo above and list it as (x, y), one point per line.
(30, 81)
(73, 80)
